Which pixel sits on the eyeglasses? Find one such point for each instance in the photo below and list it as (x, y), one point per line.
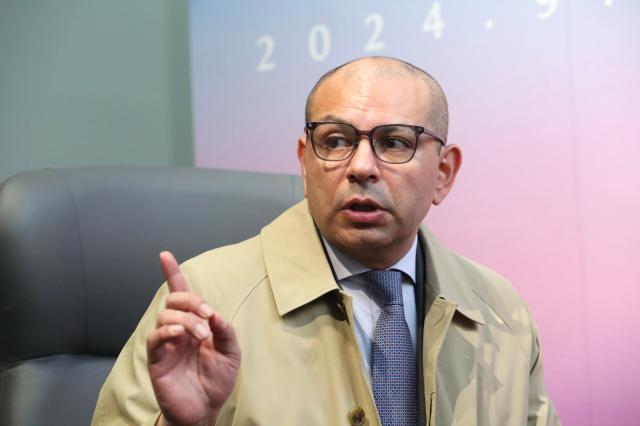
(391, 143)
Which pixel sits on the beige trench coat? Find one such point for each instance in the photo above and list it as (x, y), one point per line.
(301, 364)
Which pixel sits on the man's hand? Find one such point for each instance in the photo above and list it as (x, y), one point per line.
(193, 354)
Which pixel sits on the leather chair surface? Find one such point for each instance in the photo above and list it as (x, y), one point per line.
(79, 265)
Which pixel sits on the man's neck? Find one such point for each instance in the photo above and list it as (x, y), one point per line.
(345, 265)
(382, 258)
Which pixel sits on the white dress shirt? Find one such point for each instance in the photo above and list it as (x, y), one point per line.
(366, 306)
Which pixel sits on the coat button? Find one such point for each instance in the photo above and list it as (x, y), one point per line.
(357, 416)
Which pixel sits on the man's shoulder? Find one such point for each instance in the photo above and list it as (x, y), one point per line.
(225, 275)
(484, 279)
(498, 293)
(228, 275)
(494, 294)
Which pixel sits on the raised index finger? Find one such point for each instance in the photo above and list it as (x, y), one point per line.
(172, 273)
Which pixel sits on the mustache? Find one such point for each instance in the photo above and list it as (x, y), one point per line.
(376, 194)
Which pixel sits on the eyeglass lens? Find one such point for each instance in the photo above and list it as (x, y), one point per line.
(391, 143)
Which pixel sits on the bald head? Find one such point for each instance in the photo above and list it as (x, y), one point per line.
(437, 114)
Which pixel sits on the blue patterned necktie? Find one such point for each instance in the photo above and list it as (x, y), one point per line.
(393, 363)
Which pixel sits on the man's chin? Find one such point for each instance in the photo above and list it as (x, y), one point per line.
(363, 238)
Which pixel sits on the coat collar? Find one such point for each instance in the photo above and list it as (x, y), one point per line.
(292, 247)
(448, 279)
(296, 264)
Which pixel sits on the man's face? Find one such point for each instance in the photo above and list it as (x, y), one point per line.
(369, 209)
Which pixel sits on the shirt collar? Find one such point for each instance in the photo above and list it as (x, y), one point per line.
(345, 267)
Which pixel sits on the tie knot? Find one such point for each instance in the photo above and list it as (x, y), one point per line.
(387, 284)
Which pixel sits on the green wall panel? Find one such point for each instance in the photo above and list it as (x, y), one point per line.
(94, 83)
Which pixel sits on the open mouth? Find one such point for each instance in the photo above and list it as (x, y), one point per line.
(362, 207)
(364, 212)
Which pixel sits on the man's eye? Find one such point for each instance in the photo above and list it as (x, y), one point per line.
(337, 142)
(394, 144)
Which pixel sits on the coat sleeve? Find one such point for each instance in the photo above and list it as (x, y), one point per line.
(541, 410)
(127, 396)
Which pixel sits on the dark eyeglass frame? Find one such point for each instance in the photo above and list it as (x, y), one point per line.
(310, 126)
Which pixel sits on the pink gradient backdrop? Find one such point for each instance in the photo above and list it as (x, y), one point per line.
(547, 113)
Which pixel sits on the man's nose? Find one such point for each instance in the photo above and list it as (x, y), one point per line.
(363, 164)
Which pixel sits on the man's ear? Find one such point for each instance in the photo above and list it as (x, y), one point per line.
(302, 147)
(450, 162)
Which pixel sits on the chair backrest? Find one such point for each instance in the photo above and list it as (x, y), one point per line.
(79, 265)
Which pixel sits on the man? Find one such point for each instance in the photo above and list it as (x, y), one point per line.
(345, 309)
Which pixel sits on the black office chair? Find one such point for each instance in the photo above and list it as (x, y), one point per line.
(79, 265)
